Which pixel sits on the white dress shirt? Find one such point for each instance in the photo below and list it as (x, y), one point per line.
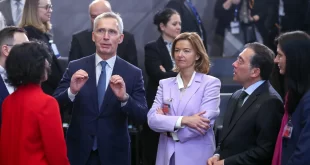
(169, 47)
(182, 91)
(4, 77)
(108, 68)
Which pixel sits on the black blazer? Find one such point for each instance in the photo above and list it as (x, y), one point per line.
(251, 136)
(188, 18)
(156, 54)
(295, 15)
(82, 45)
(5, 9)
(54, 78)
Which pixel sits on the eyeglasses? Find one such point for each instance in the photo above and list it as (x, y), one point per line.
(46, 7)
(110, 32)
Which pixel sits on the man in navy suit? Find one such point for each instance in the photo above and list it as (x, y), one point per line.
(105, 90)
(9, 36)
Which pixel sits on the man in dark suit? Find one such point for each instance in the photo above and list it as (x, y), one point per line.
(82, 44)
(12, 11)
(9, 36)
(191, 21)
(252, 120)
(98, 132)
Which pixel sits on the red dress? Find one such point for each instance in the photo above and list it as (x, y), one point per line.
(31, 129)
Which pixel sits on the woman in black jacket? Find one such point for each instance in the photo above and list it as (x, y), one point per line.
(36, 21)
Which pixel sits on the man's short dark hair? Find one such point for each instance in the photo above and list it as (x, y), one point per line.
(7, 34)
(26, 63)
(262, 59)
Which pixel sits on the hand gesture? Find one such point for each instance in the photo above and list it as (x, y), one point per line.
(78, 80)
(118, 87)
(162, 68)
(197, 122)
(213, 159)
(160, 111)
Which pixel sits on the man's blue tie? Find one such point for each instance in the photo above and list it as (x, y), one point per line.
(101, 91)
(101, 84)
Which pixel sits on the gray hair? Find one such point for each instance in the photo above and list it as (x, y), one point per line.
(110, 15)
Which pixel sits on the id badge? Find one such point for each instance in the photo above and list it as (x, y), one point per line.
(55, 50)
(235, 27)
(288, 130)
(166, 107)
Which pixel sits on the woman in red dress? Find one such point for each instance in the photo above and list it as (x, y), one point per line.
(31, 129)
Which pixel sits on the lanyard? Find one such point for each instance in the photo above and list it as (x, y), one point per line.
(235, 14)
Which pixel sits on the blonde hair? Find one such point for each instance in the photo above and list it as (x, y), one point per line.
(202, 65)
(30, 17)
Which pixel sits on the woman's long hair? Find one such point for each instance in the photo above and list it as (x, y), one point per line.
(296, 48)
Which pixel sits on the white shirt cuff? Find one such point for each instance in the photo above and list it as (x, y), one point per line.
(177, 126)
(123, 104)
(178, 123)
(71, 95)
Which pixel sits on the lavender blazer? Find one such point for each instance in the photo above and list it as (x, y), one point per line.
(202, 95)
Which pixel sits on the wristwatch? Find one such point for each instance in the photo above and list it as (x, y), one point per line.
(126, 98)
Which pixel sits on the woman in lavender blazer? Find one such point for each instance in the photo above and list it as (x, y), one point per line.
(186, 106)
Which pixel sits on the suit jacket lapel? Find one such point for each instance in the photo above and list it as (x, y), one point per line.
(9, 18)
(247, 104)
(164, 51)
(117, 70)
(189, 93)
(3, 90)
(228, 114)
(91, 82)
(174, 96)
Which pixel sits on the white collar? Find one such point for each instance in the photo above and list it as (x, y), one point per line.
(180, 81)
(253, 87)
(2, 70)
(110, 61)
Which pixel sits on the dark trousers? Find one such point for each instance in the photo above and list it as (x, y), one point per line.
(149, 145)
(93, 158)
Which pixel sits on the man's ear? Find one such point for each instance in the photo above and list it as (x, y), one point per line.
(93, 36)
(121, 38)
(255, 72)
(5, 50)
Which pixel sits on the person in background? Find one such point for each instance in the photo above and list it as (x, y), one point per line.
(191, 20)
(293, 59)
(186, 106)
(36, 21)
(225, 11)
(12, 11)
(252, 120)
(31, 130)
(9, 36)
(159, 64)
(2, 21)
(82, 44)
